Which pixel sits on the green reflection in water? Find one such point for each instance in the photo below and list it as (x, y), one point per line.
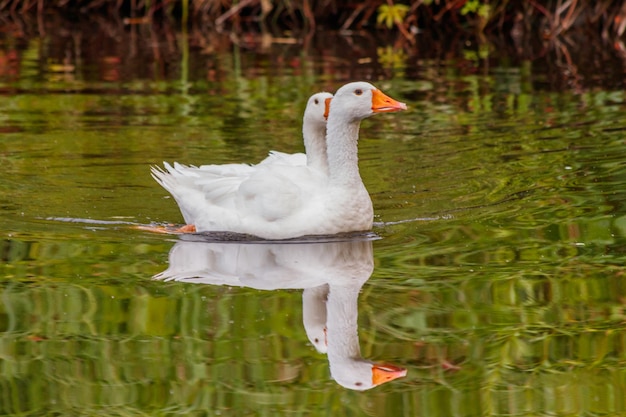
(507, 301)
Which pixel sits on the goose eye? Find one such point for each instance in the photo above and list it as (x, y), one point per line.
(358, 384)
(316, 101)
(358, 91)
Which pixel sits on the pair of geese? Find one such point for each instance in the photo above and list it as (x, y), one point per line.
(288, 195)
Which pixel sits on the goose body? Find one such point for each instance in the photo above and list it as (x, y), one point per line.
(285, 200)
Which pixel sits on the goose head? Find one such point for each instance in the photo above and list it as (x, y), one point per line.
(314, 130)
(361, 375)
(358, 100)
(314, 316)
(315, 112)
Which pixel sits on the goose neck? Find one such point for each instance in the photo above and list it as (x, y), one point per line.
(342, 145)
(315, 147)
(342, 322)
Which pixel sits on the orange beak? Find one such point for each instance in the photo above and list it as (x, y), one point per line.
(382, 373)
(381, 103)
(327, 107)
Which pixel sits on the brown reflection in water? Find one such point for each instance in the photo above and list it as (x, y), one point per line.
(105, 49)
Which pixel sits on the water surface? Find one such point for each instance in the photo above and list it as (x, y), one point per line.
(497, 281)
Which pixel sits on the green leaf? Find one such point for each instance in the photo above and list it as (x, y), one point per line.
(484, 11)
(470, 7)
(390, 14)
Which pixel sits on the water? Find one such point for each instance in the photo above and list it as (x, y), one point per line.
(496, 279)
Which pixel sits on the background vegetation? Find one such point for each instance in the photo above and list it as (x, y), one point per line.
(548, 17)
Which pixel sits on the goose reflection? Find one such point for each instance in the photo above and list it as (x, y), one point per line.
(330, 274)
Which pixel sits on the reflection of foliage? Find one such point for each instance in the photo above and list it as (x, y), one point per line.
(391, 14)
(473, 55)
(505, 291)
(475, 6)
(389, 57)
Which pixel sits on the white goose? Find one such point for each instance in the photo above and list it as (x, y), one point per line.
(281, 201)
(331, 275)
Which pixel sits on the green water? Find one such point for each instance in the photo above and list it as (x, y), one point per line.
(498, 281)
